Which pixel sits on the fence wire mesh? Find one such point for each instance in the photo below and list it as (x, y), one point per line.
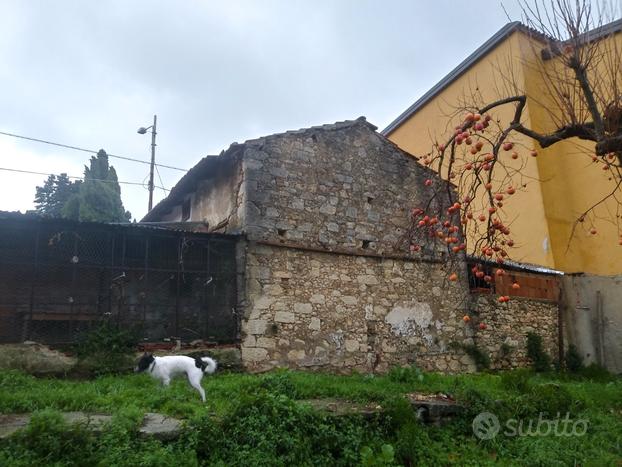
(61, 278)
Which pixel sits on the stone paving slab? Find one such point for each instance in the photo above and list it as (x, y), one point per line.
(10, 423)
(154, 424)
(160, 426)
(430, 408)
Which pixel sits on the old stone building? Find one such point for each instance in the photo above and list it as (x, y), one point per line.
(328, 279)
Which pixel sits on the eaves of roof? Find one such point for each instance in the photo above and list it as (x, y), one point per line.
(588, 37)
(482, 51)
(602, 31)
(516, 266)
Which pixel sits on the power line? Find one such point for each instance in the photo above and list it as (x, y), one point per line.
(160, 178)
(76, 148)
(77, 178)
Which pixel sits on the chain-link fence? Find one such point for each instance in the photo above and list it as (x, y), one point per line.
(59, 278)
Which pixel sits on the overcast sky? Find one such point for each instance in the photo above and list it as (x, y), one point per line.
(89, 73)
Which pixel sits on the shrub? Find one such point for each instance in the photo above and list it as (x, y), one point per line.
(411, 439)
(477, 402)
(106, 338)
(574, 362)
(550, 400)
(403, 374)
(505, 349)
(516, 380)
(481, 357)
(106, 349)
(279, 382)
(595, 372)
(540, 360)
(48, 440)
(383, 458)
(272, 429)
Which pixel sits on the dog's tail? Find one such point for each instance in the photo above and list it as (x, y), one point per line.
(211, 365)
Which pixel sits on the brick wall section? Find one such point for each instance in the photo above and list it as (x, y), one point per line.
(336, 187)
(342, 312)
(509, 324)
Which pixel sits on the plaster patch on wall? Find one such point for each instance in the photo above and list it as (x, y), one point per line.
(337, 338)
(414, 318)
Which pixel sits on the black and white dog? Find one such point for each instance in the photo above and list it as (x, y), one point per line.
(165, 368)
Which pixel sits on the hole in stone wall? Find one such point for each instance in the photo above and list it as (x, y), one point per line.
(365, 243)
(369, 199)
(281, 232)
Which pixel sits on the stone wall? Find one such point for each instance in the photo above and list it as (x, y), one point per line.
(341, 187)
(507, 325)
(330, 282)
(340, 312)
(336, 187)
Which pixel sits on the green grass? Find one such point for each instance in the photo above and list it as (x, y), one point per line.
(254, 420)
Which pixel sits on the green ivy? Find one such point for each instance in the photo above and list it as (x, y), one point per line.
(540, 360)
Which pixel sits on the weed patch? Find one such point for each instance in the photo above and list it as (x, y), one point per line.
(106, 350)
(259, 419)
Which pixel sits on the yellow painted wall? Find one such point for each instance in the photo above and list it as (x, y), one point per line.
(490, 77)
(561, 182)
(573, 184)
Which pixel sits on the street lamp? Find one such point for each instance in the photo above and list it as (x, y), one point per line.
(142, 130)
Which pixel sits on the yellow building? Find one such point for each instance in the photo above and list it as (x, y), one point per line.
(560, 183)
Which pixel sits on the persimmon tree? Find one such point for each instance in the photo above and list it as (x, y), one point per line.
(482, 163)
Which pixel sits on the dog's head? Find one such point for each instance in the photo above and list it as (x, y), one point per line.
(145, 361)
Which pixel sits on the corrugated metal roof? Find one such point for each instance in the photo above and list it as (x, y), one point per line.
(190, 227)
(515, 265)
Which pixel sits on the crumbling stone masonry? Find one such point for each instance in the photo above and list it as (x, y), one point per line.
(507, 325)
(324, 310)
(329, 281)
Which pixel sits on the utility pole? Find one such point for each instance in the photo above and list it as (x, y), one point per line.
(152, 166)
(142, 131)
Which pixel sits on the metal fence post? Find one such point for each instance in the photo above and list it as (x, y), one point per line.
(177, 288)
(72, 299)
(143, 296)
(26, 328)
